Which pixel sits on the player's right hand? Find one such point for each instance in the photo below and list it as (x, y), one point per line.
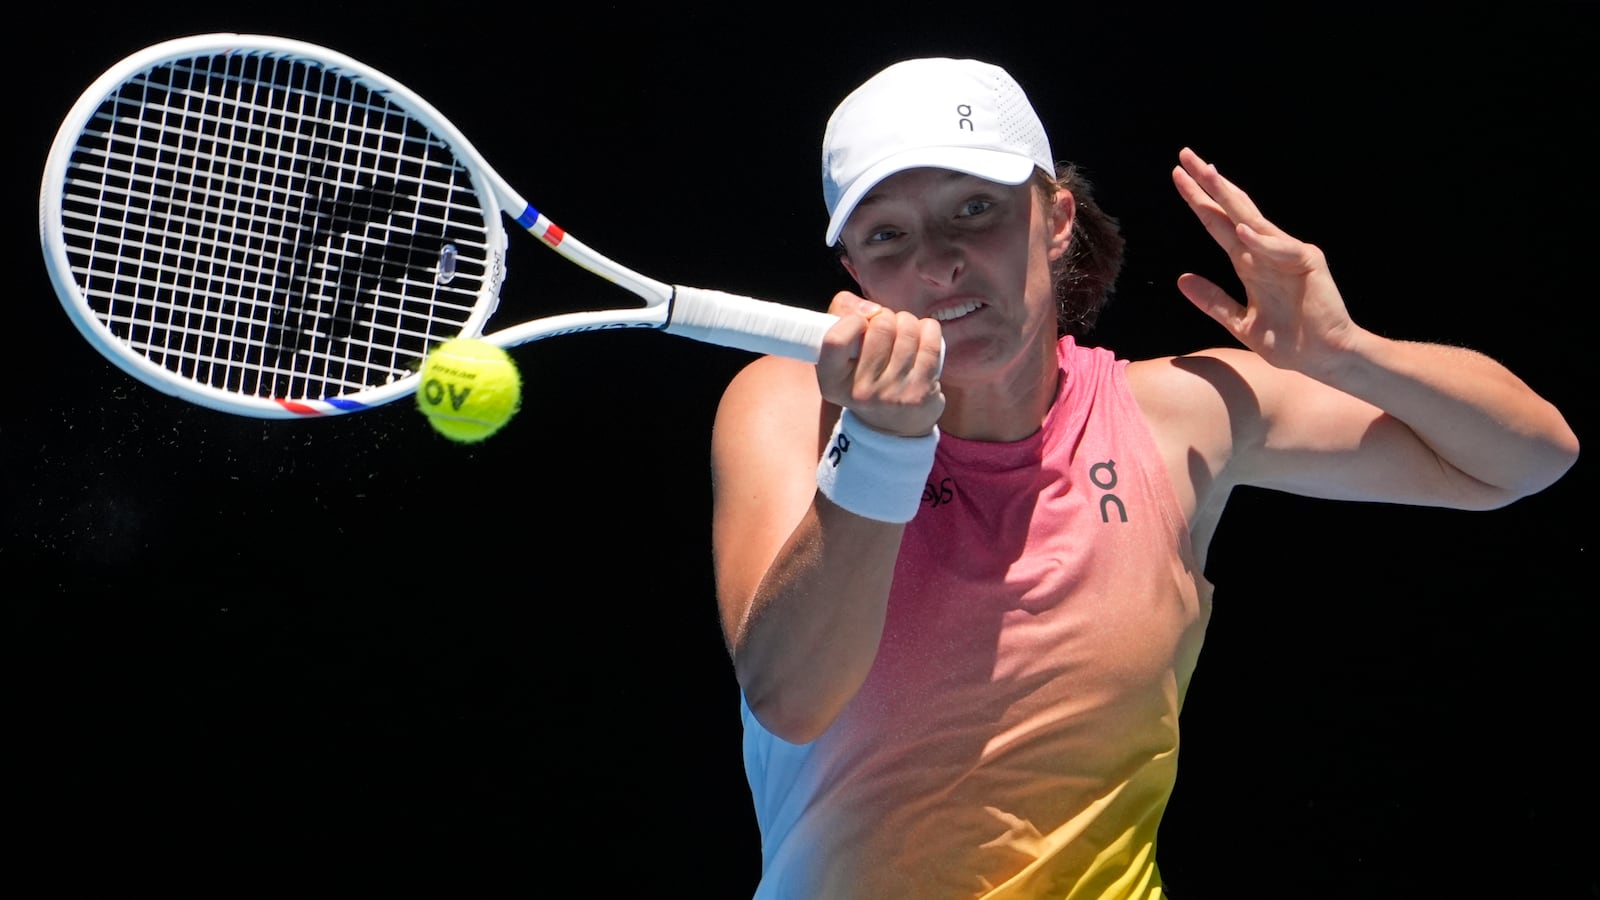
(883, 366)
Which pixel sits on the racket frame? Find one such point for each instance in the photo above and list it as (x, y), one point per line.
(709, 316)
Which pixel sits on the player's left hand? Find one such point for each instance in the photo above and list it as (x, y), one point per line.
(1293, 315)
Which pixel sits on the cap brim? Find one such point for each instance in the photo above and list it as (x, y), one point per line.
(1004, 168)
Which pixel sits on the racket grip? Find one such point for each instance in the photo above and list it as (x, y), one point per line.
(745, 323)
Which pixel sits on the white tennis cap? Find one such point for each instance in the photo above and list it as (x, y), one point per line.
(958, 114)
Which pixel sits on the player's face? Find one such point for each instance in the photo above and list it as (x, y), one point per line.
(969, 252)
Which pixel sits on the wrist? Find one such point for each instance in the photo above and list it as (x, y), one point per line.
(873, 474)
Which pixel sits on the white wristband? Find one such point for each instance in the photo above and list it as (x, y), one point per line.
(875, 475)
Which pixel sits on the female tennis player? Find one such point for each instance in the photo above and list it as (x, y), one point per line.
(960, 561)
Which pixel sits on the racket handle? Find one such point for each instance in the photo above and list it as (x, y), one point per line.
(745, 323)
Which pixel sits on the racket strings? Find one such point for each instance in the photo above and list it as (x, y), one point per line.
(268, 226)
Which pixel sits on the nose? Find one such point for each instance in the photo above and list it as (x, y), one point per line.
(940, 258)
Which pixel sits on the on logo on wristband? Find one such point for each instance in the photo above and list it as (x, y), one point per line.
(839, 447)
(887, 473)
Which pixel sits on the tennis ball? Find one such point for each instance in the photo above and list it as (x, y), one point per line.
(470, 389)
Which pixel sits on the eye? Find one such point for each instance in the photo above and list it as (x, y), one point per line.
(882, 235)
(975, 206)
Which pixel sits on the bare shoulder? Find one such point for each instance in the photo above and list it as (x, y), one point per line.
(768, 376)
(1199, 406)
(1218, 375)
(770, 404)
(1237, 389)
(1197, 392)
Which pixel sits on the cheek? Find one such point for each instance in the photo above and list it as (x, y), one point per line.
(881, 283)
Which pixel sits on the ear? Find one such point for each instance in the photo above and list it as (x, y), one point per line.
(851, 268)
(1058, 222)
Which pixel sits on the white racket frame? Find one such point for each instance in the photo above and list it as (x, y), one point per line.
(709, 316)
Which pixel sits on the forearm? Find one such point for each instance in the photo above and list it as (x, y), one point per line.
(803, 605)
(1472, 412)
(811, 631)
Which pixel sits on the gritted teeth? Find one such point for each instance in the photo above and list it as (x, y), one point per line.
(956, 312)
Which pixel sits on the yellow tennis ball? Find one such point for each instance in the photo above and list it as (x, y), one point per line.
(470, 389)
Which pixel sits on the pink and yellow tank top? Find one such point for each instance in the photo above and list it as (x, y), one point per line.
(1017, 736)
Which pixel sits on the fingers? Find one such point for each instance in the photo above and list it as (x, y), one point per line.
(900, 363)
(845, 303)
(930, 351)
(1211, 215)
(1220, 194)
(1281, 251)
(841, 345)
(1213, 301)
(889, 349)
(884, 365)
(1234, 222)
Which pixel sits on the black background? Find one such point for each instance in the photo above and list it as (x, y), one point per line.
(350, 639)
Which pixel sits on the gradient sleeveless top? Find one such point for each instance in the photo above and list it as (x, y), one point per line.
(1017, 735)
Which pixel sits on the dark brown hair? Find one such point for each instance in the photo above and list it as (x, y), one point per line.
(1086, 275)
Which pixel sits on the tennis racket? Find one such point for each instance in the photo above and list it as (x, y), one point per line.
(270, 228)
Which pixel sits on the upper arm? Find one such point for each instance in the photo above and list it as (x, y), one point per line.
(765, 445)
(1235, 419)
